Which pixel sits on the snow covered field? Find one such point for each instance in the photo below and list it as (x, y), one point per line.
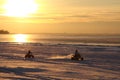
(52, 62)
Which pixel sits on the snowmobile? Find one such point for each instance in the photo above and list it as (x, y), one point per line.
(77, 58)
(29, 56)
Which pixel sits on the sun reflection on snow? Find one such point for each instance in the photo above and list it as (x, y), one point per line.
(20, 38)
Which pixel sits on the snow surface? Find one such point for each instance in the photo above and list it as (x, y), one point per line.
(52, 62)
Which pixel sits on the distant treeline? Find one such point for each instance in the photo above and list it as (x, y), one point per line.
(4, 32)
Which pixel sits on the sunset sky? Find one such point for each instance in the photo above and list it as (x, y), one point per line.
(60, 16)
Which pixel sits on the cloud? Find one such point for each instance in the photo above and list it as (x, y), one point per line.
(106, 16)
(79, 16)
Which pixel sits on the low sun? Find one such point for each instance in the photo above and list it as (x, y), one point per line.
(20, 8)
